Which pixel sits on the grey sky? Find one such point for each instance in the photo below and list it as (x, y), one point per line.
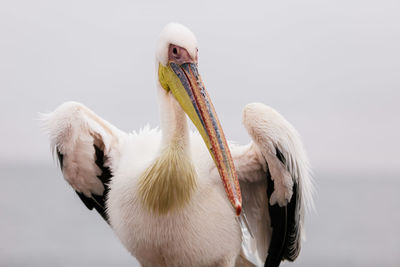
(331, 68)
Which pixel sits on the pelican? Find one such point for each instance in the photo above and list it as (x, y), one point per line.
(180, 198)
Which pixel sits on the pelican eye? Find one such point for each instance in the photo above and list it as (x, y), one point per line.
(175, 51)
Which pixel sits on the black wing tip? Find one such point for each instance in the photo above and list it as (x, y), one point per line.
(95, 202)
(278, 217)
(60, 157)
(105, 177)
(106, 174)
(272, 262)
(87, 201)
(280, 156)
(293, 242)
(285, 239)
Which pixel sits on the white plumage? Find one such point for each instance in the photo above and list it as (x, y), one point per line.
(105, 166)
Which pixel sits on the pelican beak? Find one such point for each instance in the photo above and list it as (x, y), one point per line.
(185, 83)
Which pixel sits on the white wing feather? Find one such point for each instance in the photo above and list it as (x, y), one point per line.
(270, 132)
(73, 130)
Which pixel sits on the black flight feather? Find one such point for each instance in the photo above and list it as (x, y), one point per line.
(285, 240)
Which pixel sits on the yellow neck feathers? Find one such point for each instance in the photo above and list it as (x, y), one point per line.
(168, 183)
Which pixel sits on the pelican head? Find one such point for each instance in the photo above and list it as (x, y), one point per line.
(177, 56)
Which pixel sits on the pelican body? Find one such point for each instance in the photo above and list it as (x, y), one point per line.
(181, 198)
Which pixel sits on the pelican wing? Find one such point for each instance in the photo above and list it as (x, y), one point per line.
(275, 183)
(88, 150)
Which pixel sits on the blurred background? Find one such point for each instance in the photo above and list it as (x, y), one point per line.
(331, 68)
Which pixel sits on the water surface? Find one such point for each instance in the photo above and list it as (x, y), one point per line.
(43, 223)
